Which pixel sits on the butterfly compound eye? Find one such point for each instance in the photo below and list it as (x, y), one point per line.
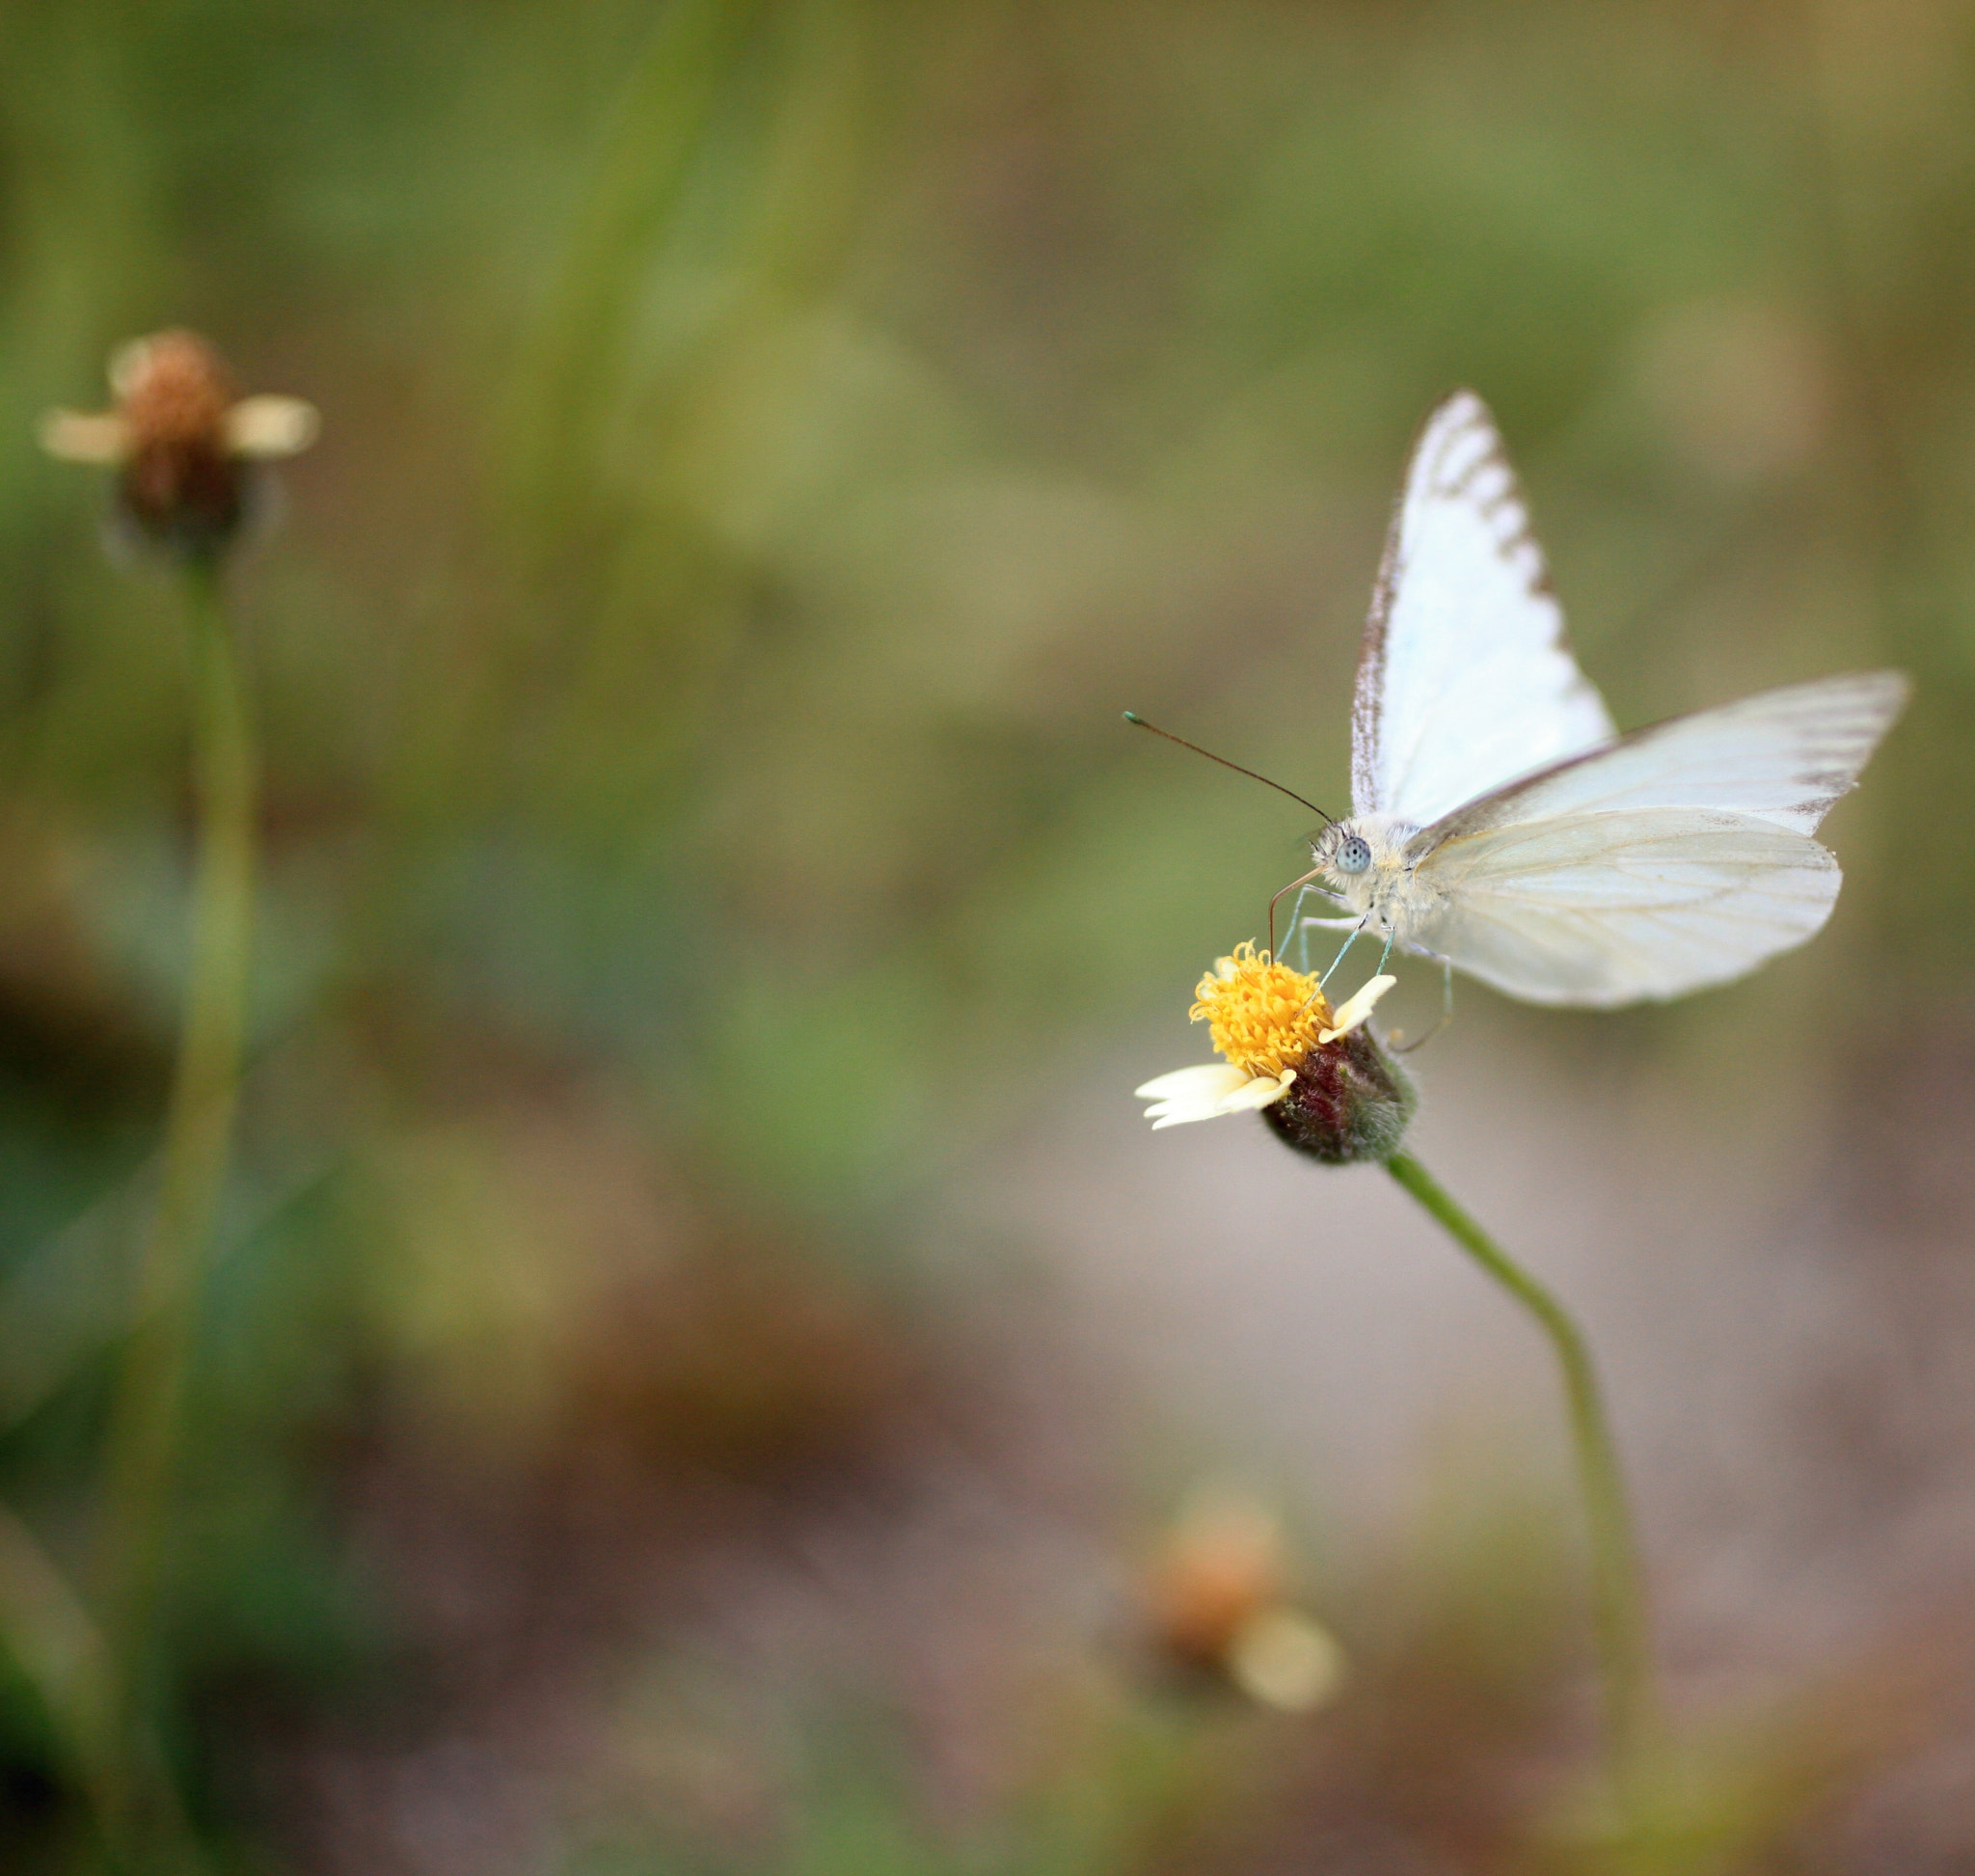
(1354, 854)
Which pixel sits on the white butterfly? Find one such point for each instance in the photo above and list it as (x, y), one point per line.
(1501, 825)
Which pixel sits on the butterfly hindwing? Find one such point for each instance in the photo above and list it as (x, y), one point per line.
(1607, 909)
(1678, 857)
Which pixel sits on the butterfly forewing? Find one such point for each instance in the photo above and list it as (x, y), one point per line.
(1465, 678)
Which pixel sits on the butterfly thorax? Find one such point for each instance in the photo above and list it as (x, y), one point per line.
(1366, 864)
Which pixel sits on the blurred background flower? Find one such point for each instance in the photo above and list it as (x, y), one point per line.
(1222, 1604)
(672, 1395)
(184, 441)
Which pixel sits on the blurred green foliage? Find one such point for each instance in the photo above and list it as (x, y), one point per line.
(765, 446)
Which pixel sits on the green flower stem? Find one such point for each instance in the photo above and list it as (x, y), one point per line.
(144, 1429)
(1618, 1592)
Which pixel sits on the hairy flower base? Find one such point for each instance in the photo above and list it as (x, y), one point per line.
(1348, 1101)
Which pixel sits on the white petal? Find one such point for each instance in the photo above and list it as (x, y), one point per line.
(266, 427)
(1208, 1081)
(1356, 1008)
(75, 438)
(1258, 1092)
(128, 363)
(1162, 1117)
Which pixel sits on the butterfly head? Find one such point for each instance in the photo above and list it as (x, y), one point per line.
(1341, 848)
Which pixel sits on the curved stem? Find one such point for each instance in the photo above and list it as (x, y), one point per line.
(1618, 1592)
(145, 1427)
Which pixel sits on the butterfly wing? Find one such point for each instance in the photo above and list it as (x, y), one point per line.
(1680, 857)
(1606, 908)
(1465, 678)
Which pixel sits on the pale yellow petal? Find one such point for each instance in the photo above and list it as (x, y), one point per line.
(1209, 1080)
(1284, 1660)
(103, 438)
(1257, 1093)
(266, 427)
(128, 363)
(1356, 1008)
(1174, 1114)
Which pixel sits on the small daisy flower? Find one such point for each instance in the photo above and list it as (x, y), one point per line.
(186, 444)
(1323, 1083)
(1220, 1604)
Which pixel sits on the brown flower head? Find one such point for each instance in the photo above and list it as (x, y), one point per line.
(187, 445)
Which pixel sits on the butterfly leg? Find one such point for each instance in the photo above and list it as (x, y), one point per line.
(1303, 927)
(1321, 925)
(1303, 892)
(1339, 958)
(1447, 1007)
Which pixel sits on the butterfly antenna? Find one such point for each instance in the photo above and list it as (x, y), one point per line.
(1132, 716)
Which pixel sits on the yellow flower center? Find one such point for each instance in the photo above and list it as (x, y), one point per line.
(1266, 1016)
